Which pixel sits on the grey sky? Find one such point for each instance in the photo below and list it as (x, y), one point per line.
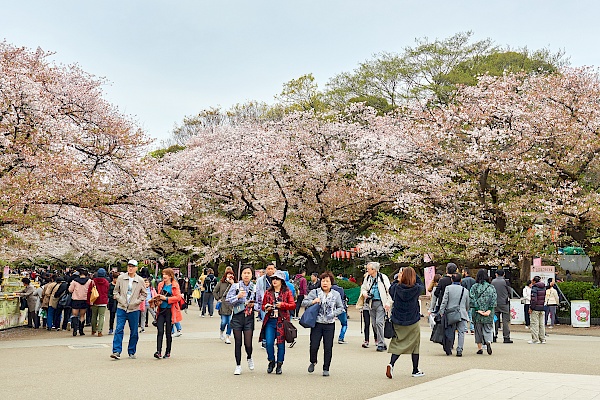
(167, 59)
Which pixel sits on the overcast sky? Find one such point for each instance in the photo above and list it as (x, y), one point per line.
(168, 59)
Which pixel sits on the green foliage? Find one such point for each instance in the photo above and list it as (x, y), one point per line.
(378, 103)
(344, 284)
(593, 296)
(574, 290)
(160, 153)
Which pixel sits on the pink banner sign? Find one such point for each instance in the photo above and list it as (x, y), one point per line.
(429, 274)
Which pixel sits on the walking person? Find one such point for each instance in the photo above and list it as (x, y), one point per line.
(433, 307)
(456, 297)
(208, 299)
(47, 303)
(482, 298)
(406, 314)
(32, 297)
(331, 306)
(536, 311)
(99, 306)
(112, 303)
(552, 301)
(278, 301)
(375, 290)
(526, 300)
(79, 301)
(169, 311)
(343, 317)
(145, 308)
(467, 282)
(502, 306)
(129, 292)
(242, 296)
(225, 308)
(302, 289)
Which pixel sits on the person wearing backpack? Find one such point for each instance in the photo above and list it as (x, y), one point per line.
(301, 286)
(210, 282)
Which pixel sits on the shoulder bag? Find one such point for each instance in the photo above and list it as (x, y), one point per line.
(453, 314)
(94, 293)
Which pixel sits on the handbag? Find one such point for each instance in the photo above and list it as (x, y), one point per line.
(453, 314)
(291, 332)
(196, 294)
(94, 294)
(23, 304)
(388, 328)
(437, 334)
(309, 318)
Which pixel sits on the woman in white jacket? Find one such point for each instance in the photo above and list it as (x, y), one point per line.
(375, 291)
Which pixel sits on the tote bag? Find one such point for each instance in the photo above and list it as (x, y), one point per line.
(309, 318)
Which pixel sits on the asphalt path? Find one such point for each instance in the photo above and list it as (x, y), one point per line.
(52, 365)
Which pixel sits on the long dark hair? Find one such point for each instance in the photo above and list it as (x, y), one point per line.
(482, 276)
(284, 286)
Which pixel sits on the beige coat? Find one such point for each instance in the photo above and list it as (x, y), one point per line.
(552, 297)
(46, 293)
(138, 292)
(383, 285)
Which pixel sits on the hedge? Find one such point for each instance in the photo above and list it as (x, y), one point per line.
(593, 295)
(344, 284)
(575, 290)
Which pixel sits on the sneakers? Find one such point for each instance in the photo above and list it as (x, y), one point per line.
(270, 367)
(311, 368)
(389, 371)
(250, 364)
(342, 341)
(459, 354)
(418, 374)
(116, 356)
(480, 351)
(111, 331)
(278, 370)
(202, 315)
(489, 348)
(227, 340)
(543, 342)
(526, 327)
(365, 345)
(157, 355)
(69, 326)
(532, 341)
(167, 355)
(325, 372)
(222, 335)
(177, 334)
(132, 356)
(380, 348)
(142, 330)
(238, 370)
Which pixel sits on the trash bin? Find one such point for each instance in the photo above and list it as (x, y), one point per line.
(580, 313)
(517, 313)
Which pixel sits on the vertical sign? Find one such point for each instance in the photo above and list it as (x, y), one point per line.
(429, 274)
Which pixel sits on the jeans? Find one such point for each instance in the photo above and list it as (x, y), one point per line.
(98, 318)
(50, 317)
(325, 331)
(132, 318)
(226, 322)
(163, 323)
(58, 313)
(271, 338)
(343, 317)
(207, 302)
(176, 325)
(552, 314)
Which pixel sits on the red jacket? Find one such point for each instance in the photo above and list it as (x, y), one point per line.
(287, 303)
(102, 285)
(174, 300)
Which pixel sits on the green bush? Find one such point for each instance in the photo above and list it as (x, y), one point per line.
(575, 290)
(593, 295)
(345, 284)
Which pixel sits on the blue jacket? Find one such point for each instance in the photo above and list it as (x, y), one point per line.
(406, 310)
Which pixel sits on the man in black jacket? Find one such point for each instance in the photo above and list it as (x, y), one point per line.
(536, 311)
(444, 282)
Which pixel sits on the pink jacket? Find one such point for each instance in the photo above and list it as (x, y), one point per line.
(79, 288)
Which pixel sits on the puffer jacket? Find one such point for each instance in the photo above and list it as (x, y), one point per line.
(538, 297)
(79, 287)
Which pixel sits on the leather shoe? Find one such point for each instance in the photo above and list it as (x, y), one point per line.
(459, 354)
(508, 341)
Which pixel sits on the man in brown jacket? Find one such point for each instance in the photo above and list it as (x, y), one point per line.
(129, 293)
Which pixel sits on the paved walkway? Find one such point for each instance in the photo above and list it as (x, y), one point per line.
(502, 385)
(202, 367)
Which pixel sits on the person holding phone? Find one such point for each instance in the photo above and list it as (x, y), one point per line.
(242, 296)
(169, 311)
(278, 301)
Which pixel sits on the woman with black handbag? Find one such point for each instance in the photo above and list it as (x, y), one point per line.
(406, 315)
(278, 301)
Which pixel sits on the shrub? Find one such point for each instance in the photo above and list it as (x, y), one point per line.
(593, 295)
(574, 290)
(345, 284)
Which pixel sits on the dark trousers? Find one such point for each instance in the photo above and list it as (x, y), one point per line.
(112, 309)
(505, 324)
(33, 320)
(65, 313)
(327, 332)
(527, 320)
(207, 302)
(298, 304)
(164, 325)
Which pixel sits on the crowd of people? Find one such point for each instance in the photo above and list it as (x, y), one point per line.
(460, 304)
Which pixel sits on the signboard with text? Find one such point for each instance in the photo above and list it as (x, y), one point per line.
(545, 272)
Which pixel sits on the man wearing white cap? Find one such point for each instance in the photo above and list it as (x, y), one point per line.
(129, 293)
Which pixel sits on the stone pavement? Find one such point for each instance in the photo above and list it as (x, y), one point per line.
(202, 367)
